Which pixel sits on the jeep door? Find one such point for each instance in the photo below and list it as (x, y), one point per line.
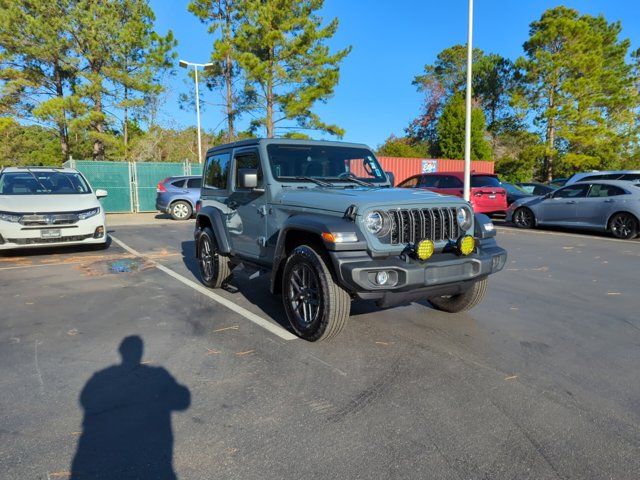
(246, 206)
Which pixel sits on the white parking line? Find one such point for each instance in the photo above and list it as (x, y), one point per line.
(563, 234)
(252, 317)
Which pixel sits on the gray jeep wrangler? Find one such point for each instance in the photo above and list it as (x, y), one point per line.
(326, 222)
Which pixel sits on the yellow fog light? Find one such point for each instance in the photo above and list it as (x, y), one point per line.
(424, 249)
(466, 245)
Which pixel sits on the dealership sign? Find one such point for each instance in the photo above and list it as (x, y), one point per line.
(429, 166)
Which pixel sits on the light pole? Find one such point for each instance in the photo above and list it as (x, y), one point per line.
(205, 66)
(467, 119)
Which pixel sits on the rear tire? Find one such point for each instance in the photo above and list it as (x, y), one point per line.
(624, 226)
(181, 210)
(214, 267)
(464, 301)
(523, 217)
(316, 306)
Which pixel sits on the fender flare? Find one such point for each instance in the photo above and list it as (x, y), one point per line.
(316, 225)
(218, 225)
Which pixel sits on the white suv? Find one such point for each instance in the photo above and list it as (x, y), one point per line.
(43, 206)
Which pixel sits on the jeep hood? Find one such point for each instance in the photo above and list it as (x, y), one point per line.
(339, 199)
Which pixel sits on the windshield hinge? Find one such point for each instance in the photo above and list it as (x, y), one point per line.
(351, 212)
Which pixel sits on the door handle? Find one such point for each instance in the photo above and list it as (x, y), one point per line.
(609, 201)
(571, 202)
(232, 204)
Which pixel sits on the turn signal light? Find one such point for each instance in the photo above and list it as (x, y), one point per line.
(466, 245)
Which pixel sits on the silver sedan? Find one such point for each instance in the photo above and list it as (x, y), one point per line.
(612, 206)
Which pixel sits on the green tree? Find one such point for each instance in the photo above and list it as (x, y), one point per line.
(37, 66)
(580, 87)
(403, 147)
(223, 18)
(450, 131)
(283, 52)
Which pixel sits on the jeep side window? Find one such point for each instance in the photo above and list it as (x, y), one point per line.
(216, 171)
(246, 160)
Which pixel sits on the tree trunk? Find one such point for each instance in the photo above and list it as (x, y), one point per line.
(269, 117)
(125, 127)
(98, 145)
(62, 121)
(551, 140)
(230, 113)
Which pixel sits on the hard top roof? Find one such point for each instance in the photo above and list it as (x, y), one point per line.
(285, 141)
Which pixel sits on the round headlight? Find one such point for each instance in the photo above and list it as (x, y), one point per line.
(464, 218)
(377, 223)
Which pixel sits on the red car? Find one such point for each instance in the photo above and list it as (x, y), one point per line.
(487, 194)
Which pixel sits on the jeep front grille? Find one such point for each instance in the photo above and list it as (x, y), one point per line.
(413, 225)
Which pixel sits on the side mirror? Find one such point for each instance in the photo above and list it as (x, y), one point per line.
(100, 193)
(392, 178)
(248, 177)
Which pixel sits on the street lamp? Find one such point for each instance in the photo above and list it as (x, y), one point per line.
(205, 66)
(467, 118)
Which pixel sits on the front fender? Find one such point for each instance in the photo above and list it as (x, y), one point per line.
(314, 225)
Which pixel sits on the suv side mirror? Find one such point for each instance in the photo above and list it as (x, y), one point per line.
(392, 178)
(100, 193)
(248, 177)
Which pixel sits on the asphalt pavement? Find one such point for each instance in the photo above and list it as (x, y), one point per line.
(115, 364)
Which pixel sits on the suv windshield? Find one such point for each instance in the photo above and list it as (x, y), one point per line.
(334, 163)
(34, 182)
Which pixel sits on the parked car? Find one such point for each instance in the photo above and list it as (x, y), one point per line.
(487, 193)
(43, 207)
(630, 175)
(177, 196)
(605, 205)
(535, 188)
(514, 192)
(323, 219)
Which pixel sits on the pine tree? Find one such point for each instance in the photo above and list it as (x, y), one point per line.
(451, 127)
(283, 52)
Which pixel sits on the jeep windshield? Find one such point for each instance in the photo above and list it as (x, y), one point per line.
(35, 182)
(334, 164)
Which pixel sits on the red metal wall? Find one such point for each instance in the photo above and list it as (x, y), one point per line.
(403, 168)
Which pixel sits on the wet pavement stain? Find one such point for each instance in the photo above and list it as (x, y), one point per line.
(124, 266)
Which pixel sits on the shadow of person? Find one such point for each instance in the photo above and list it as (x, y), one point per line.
(127, 420)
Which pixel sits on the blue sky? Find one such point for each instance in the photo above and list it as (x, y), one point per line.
(392, 41)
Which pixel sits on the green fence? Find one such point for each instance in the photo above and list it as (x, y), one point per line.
(115, 177)
(131, 185)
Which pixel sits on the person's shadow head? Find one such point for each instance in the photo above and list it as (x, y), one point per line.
(127, 430)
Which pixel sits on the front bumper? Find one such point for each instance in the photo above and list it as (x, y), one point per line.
(442, 274)
(83, 232)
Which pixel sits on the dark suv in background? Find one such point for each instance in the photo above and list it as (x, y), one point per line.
(177, 196)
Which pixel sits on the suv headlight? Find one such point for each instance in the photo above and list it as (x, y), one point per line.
(465, 219)
(377, 222)
(83, 215)
(10, 217)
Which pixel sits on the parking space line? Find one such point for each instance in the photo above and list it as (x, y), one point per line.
(563, 234)
(252, 317)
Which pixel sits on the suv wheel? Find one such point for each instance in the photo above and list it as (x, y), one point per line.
(181, 210)
(464, 301)
(316, 306)
(623, 226)
(214, 268)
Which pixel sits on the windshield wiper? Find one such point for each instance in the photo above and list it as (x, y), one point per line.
(359, 182)
(38, 180)
(314, 180)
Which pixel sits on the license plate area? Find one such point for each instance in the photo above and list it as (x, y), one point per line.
(452, 272)
(50, 233)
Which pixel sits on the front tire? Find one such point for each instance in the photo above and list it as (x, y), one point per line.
(523, 217)
(316, 306)
(214, 267)
(624, 226)
(181, 210)
(464, 301)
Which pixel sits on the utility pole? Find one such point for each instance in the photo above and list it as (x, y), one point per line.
(205, 66)
(467, 119)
